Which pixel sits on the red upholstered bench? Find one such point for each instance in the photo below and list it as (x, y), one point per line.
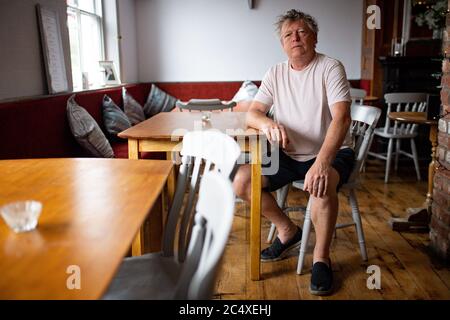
(38, 127)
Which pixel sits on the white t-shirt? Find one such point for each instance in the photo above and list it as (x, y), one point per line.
(302, 102)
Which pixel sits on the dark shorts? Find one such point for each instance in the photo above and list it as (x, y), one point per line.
(291, 170)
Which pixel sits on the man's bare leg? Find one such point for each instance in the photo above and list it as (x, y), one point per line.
(324, 215)
(269, 207)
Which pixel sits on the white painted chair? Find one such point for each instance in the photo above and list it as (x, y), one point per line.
(195, 279)
(216, 151)
(395, 132)
(364, 120)
(205, 105)
(358, 95)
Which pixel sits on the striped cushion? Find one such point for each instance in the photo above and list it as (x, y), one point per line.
(114, 118)
(132, 108)
(86, 131)
(158, 101)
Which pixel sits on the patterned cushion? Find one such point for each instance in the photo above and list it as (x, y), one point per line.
(158, 101)
(114, 118)
(86, 131)
(244, 96)
(246, 92)
(132, 108)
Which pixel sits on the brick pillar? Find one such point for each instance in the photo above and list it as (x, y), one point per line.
(440, 219)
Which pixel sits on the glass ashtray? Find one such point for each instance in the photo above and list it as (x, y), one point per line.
(21, 216)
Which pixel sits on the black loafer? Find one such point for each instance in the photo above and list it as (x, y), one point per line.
(278, 250)
(321, 279)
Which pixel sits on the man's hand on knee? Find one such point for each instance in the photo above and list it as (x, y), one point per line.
(317, 179)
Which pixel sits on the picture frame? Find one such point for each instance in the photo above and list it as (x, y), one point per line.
(419, 40)
(110, 74)
(411, 31)
(55, 66)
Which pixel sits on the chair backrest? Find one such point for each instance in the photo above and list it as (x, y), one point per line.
(364, 121)
(358, 95)
(213, 220)
(202, 151)
(205, 105)
(398, 102)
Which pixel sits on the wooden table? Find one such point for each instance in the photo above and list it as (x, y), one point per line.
(418, 217)
(92, 210)
(370, 99)
(165, 131)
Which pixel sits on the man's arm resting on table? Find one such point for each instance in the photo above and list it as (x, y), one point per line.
(316, 179)
(256, 118)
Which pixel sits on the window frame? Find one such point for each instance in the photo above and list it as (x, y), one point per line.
(98, 16)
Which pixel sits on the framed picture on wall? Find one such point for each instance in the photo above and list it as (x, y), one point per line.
(55, 66)
(110, 74)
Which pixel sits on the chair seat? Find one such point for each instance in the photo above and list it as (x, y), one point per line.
(390, 134)
(147, 277)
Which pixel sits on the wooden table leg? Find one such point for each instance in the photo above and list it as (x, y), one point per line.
(152, 229)
(137, 245)
(431, 167)
(171, 182)
(255, 211)
(419, 218)
(168, 194)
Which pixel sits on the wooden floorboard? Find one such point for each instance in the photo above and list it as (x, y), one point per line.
(420, 241)
(409, 270)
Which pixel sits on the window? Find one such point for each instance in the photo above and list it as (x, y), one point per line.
(84, 20)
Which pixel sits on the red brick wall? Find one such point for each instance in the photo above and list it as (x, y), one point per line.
(440, 219)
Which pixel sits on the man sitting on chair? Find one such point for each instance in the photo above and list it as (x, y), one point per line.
(310, 96)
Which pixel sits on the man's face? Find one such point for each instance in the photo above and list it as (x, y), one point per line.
(297, 39)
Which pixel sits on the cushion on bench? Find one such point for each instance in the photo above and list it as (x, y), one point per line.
(38, 127)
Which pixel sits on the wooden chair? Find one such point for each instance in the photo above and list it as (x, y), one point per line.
(195, 279)
(202, 151)
(364, 120)
(395, 132)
